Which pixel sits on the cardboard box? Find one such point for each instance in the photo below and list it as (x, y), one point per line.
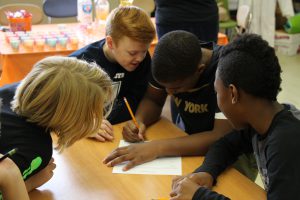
(287, 44)
(289, 50)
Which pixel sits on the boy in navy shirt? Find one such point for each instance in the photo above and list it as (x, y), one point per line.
(183, 67)
(123, 54)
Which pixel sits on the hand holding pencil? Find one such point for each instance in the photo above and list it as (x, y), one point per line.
(133, 131)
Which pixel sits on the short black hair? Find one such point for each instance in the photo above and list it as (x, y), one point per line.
(251, 65)
(176, 56)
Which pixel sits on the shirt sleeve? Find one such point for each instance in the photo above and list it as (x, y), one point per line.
(206, 194)
(226, 151)
(283, 167)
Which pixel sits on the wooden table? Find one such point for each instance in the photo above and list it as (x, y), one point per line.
(80, 174)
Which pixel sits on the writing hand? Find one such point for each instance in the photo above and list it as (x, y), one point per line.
(132, 134)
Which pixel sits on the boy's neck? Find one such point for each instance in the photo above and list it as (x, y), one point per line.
(262, 113)
(108, 54)
(206, 56)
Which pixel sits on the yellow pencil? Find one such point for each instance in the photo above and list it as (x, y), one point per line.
(131, 113)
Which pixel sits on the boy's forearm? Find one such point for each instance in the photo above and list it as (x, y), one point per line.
(191, 145)
(148, 112)
(225, 152)
(196, 144)
(14, 187)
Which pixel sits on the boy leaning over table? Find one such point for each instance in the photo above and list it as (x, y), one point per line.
(247, 84)
(123, 54)
(183, 67)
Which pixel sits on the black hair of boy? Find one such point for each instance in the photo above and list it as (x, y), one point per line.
(176, 56)
(242, 59)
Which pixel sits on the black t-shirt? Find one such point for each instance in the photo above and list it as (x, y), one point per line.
(34, 143)
(179, 11)
(197, 108)
(277, 154)
(131, 85)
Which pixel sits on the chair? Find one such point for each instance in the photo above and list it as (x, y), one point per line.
(60, 8)
(229, 25)
(37, 13)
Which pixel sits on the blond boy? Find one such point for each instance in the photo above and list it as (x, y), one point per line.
(62, 95)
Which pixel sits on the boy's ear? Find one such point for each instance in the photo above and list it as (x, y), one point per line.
(234, 94)
(200, 68)
(109, 41)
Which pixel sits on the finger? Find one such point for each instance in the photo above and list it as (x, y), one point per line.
(118, 160)
(141, 132)
(114, 154)
(52, 166)
(128, 135)
(132, 164)
(131, 127)
(107, 123)
(177, 197)
(51, 160)
(106, 136)
(141, 136)
(98, 138)
(107, 129)
(174, 195)
(175, 180)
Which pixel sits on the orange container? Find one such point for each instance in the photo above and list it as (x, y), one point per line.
(20, 23)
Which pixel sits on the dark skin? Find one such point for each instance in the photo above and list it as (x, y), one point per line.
(149, 112)
(242, 110)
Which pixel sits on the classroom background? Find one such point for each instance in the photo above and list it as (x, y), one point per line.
(287, 44)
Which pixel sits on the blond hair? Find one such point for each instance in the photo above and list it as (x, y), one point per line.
(130, 21)
(65, 95)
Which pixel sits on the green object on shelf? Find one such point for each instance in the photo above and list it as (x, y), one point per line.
(227, 24)
(293, 24)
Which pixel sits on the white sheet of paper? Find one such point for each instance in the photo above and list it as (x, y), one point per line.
(160, 166)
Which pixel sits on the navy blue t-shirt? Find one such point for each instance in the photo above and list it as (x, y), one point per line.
(179, 11)
(131, 85)
(197, 108)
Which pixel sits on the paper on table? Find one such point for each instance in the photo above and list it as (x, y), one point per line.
(160, 166)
